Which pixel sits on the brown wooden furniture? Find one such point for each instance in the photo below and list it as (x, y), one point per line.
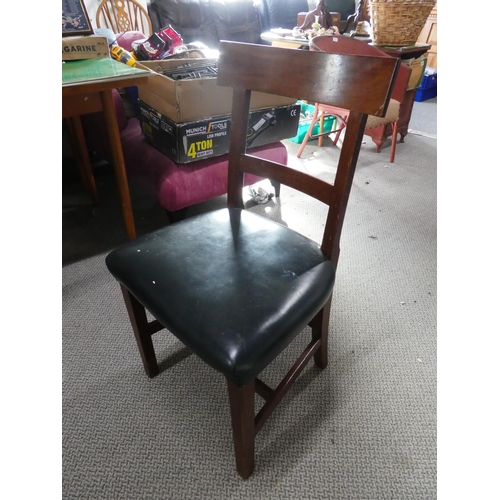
(301, 17)
(345, 45)
(235, 287)
(123, 15)
(90, 97)
(320, 13)
(379, 137)
(360, 14)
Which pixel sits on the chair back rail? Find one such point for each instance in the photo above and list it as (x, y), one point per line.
(338, 80)
(331, 78)
(123, 15)
(346, 45)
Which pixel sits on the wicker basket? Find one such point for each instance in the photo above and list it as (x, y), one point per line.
(398, 22)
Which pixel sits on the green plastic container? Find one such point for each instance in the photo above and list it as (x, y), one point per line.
(306, 112)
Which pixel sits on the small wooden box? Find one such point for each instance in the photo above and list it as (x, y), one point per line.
(84, 47)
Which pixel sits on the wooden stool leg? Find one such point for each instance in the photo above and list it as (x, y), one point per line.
(241, 401)
(137, 315)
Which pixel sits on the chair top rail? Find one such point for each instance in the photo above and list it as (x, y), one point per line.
(338, 80)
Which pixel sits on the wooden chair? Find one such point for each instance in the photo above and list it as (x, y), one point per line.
(237, 288)
(123, 15)
(346, 45)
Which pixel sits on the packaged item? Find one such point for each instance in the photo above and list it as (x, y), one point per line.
(159, 45)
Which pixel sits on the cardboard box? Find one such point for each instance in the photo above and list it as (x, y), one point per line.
(196, 140)
(84, 47)
(194, 99)
(417, 65)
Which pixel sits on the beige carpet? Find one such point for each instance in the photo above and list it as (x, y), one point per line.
(362, 429)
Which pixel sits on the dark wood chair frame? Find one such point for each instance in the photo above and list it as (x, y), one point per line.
(340, 80)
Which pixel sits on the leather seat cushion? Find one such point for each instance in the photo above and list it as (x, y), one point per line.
(234, 287)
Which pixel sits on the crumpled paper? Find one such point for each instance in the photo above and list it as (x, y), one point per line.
(259, 196)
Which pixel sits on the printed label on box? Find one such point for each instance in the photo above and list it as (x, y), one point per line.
(191, 141)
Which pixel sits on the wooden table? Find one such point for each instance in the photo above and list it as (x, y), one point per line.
(91, 93)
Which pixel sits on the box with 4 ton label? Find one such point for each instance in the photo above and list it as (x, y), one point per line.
(190, 141)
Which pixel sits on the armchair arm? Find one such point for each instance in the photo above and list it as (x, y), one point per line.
(283, 13)
(154, 15)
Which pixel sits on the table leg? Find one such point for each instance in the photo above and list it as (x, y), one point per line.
(118, 161)
(80, 151)
(405, 113)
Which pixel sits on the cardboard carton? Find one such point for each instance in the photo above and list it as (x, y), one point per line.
(195, 140)
(417, 65)
(194, 99)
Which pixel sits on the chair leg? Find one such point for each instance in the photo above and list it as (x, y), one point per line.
(177, 215)
(79, 147)
(277, 188)
(241, 401)
(139, 321)
(339, 127)
(321, 128)
(309, 133)
(394, 140)
(319, 327)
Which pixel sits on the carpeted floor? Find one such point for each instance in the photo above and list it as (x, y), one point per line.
(364, 428)
(424, 118)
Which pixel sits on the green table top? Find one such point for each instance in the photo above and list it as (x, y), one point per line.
(88, 70)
